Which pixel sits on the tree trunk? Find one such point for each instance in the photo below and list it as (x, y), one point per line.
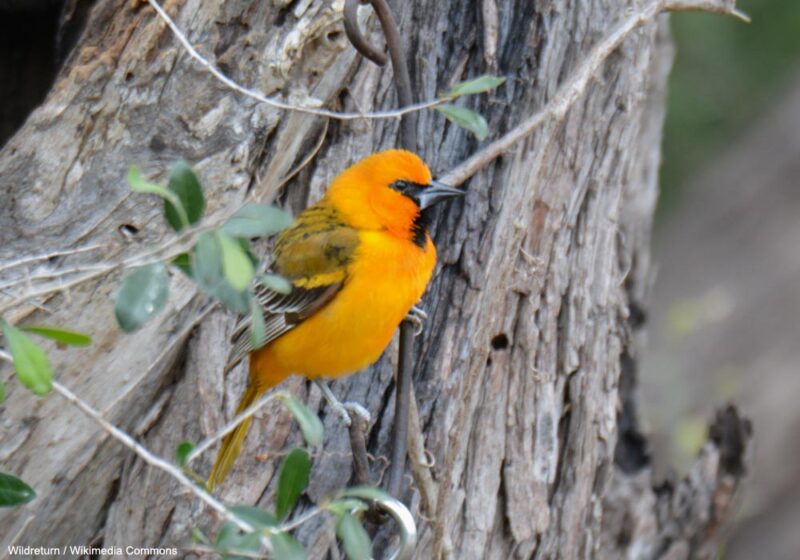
(525, 371)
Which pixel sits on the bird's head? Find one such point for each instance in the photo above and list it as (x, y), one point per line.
(388, 191)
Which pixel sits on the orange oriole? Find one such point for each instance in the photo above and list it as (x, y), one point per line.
(358, 260)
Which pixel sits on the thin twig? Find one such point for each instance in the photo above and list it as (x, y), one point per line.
(169, 249)
(50, 255)
(175, 472)
(572, 89)
(350, 16)
(405, 363)
(260, 97)
(358, 445)
(147, 456)
(232, 425)
(402, 79)
(420, 467)
(405, 370)
(150, 458)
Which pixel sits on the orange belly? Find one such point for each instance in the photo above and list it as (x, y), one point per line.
(385, 279)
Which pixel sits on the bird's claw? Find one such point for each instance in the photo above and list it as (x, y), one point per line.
(417, 317)
(346, 410)
(356, 409)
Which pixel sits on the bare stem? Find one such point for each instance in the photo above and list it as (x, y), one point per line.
(572, 89)
(149, 457)
(260, 97)
(230, 426)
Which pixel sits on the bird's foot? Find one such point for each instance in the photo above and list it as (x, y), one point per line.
(356, 409)
(417, 317)
(343, 410)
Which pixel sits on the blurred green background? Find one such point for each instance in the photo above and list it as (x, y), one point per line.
(725, 74)
(724, 315)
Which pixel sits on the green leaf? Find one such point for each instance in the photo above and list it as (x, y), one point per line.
(346, 505)
(257, 220)
(356, 541)
(31, 362)
(184, 183)
(183, 451)
(184, 263)
(292, 481)
(140, 185)
(365, 493)
(207, 271)
(285, 547)
(227, 536)
(276, 283)
(143, 294)
(199, 537)
(236, 265)
(465, 118)
(13, 491)
(477, 85)
(310, 424)
(256, 517)
(258, 330)
(64, 336)
(2, 391)
(245, 245)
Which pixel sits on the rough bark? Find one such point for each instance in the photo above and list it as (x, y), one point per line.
(517, 375)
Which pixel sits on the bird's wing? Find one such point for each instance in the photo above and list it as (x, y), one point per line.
(313, 255)
(282, 312)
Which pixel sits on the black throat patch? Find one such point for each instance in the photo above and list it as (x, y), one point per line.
(419, 228)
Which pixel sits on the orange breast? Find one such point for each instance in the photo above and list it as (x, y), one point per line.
(386, 277)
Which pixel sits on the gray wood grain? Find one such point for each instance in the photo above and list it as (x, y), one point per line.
(518, 368)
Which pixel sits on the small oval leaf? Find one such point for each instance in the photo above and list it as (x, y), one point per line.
(183, 451)
(257, 220)
(170, 198)
(477, 85)
(184, 263)
(13, 491)
(309, 422)
(356, 541)
(186, 186)
(344, 505)
(276, 283)
(227, 536)
(256, 517)
(207, 271)
(465, 118)
(30, 361)
(73, 338)
(143, 293)
(236, 265)
(285, 547)
(292, 481)
(366, 493)
(2, 391)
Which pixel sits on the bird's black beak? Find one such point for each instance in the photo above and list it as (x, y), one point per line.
(435, 192)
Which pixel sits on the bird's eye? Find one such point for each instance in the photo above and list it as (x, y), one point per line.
(403, 187)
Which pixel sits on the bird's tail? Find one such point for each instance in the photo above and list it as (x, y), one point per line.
(232, 443)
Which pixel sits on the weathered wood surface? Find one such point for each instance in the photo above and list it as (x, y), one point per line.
(517, 377)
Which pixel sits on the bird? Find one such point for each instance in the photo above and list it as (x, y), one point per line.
(358, 261)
